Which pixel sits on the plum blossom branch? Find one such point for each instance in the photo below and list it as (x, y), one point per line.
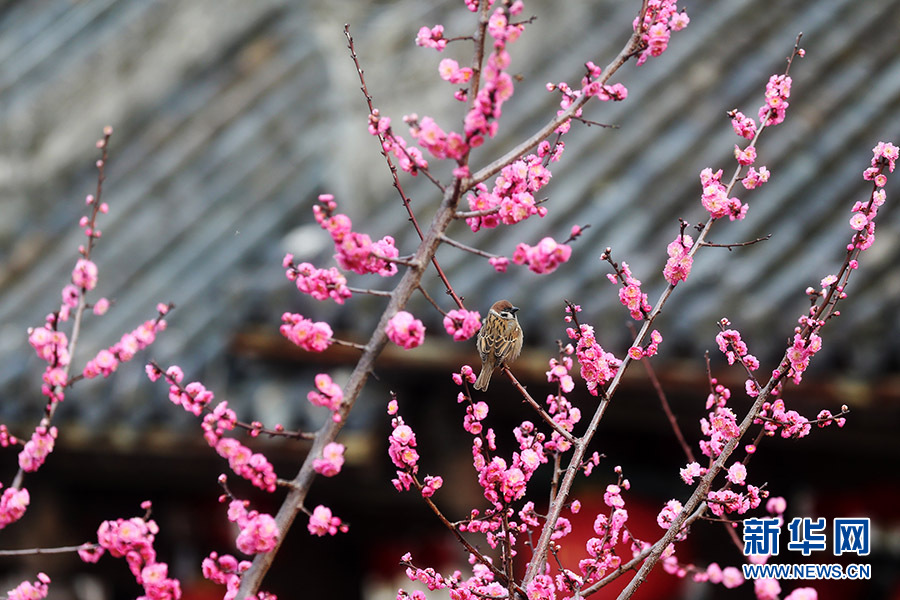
(885, 157)
(539, 559)
(631, 46)
(393, 169)
(408, 284)
(200, 403)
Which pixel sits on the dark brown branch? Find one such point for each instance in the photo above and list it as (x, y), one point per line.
(737, 244)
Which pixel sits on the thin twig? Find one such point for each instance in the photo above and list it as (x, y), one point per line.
(589, 123)
(461, 246)
(57, 550)
(369, 291)
(431, 301)
(537, 407)
(738, 244)
(347, 344)
(664, 401)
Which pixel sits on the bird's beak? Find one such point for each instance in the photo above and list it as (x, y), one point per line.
(514, 309)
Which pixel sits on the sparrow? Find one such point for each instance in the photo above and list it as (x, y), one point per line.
(499, 340)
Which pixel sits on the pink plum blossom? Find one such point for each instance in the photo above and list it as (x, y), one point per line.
(405, 330)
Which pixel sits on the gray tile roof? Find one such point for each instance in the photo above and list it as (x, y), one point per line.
(231, 117)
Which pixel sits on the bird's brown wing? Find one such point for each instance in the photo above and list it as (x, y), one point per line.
(496, 345)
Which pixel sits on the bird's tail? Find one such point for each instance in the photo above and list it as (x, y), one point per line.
(484, 379)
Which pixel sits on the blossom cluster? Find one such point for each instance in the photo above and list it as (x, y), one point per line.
(825, 418)
(429, 134)
(405, 330)
(728, 501)
(720, 427)
(252, 466)
(659, 21)
(13, 503)
(504, 482)
(476, 413)
(432, 37)
(753, 179)
(884, 155)
(321, 284)
(543, 258)
(36, 450)
(778, 90)
(563, 412)
(745, 156)
(133, 539)
(85, 274)
(462, 324)
(734, 348)
(52, 346)
(639, 352)
(108, 360)
(332, 460)
(743, 125)
(322, 522)
(678, 265)
(729, 577)
(312, 336)
(405, 457)
(258, 531)
(559, 370)
(451, 72)
(327, 393)
(715, 197)
(597, 365)
(481, 584)
(465, 374)
(631, 295)
(409, 158)
(30, 591)
(225, 570)
(608, 531)
(775, 416)
(195, 399)
(497, 84)
(590, 88)
(512, 198)
(403, 453)
(802, 349)
(355, 251)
